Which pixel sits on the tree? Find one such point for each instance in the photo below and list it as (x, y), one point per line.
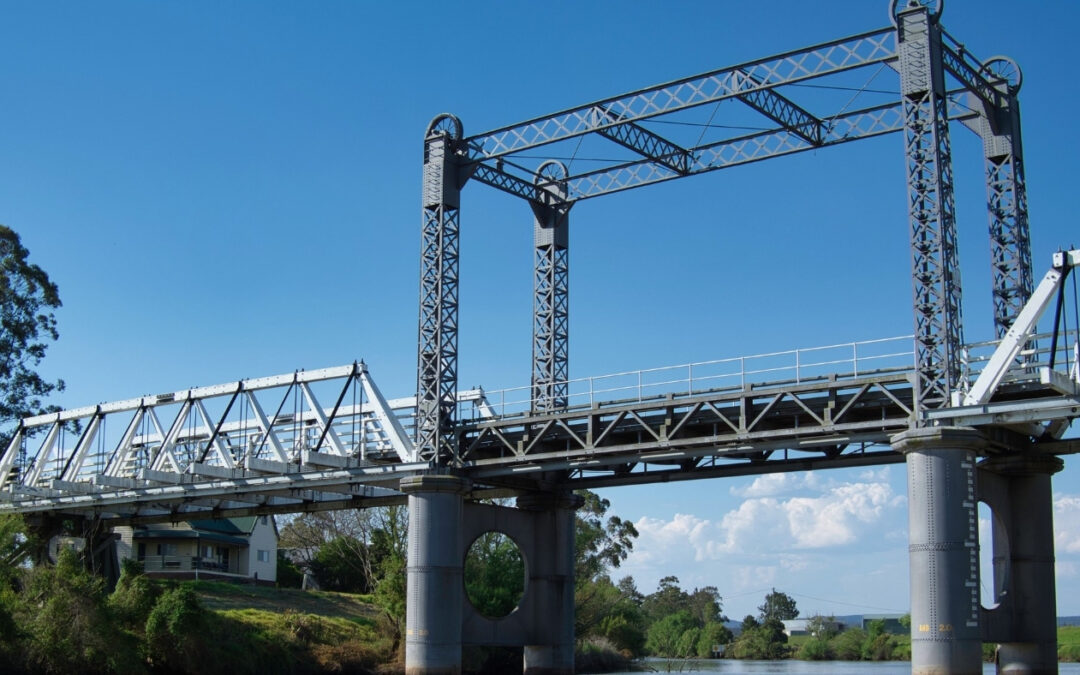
(779, 606)
(822, 627)
(27, 300)
(667, 637)
(599, 544)
(712, 634)
(494, 575)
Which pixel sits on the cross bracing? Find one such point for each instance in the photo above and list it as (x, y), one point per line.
(912, 79)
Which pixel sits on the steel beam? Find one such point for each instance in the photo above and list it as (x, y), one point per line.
(795, 66)
(643, 141)
(1006, 191)
(551, 294)
(437, 360)
(855, 125)
(785, 112)
(935, 267)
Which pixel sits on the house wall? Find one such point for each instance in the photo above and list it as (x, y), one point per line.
(125, 548)
(263, 538)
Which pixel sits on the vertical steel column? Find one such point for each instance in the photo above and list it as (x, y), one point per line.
(436, 386)
(943, 538)
(551, 580)
(935, 268)
(435, 582)
(1025, 622)
(1006, 193)
(551, 291)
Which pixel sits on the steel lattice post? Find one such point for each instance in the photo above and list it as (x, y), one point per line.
(551, 297)
(1010, 240)
(935, 267)
(436, 387)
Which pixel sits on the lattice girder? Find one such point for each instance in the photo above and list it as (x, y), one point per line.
(438, 324)
(744, 79)
(931, 211)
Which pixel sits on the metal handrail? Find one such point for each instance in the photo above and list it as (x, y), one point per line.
(799, 365)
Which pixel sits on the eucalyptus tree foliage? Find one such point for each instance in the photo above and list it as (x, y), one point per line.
(27, 324)
(346, 549)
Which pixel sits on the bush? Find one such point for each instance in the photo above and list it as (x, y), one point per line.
(847, 646)
(176, 630)
(712, 634)
(67, 625)
(599, 655)
(135, 595)
(816, 649)
(1069, 653)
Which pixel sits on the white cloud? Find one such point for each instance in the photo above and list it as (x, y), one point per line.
(774, 484)
(1067, 524)
(766, 526)
(1064, 569)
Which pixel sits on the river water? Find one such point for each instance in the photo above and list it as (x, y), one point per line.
(733, 667)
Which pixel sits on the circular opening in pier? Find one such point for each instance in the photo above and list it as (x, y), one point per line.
(993, 558)
(494, 575)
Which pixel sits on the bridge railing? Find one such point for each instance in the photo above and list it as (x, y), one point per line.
(795, 366)
(1041, 352)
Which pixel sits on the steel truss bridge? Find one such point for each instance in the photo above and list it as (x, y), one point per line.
(328, 439)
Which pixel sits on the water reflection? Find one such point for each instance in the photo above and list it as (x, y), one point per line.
(732, 667)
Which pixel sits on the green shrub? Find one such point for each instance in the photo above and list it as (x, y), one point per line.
(134, 596)
(816, 649)
(176, 631)
(847, 646)
(66, 623)
(1069, 653)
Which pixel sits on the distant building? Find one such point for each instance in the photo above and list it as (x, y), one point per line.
(226, 548)
(892, 623)
(795, 627)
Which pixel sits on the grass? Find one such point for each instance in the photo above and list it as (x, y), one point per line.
(223, 596)
(1069, 643)
(261, 629)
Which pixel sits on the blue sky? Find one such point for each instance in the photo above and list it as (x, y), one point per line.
(230, 190)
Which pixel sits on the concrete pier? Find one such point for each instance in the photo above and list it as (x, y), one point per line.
(550, 650)
(435, 584)
(943, 549)
(1024, 622)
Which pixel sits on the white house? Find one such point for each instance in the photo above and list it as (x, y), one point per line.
(225, 548)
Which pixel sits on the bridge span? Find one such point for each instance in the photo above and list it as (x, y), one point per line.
(972, 421)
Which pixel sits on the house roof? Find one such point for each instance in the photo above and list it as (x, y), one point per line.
(242, 526)
(190, 534)
(226, 530)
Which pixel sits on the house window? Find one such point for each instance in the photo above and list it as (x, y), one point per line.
(264, 556)
(168, 549)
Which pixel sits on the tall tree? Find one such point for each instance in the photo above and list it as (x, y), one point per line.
(27, 300)
(600, 544)
(778, 606)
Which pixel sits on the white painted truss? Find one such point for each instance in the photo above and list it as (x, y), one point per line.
(228, 442)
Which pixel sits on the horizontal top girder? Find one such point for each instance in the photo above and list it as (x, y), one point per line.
(758, 84)
(790, 67)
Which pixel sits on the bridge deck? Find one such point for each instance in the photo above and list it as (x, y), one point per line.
(224, 453)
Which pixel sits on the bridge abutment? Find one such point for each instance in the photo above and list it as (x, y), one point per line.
(1024, 619)
(435, 588)
(943, 549)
